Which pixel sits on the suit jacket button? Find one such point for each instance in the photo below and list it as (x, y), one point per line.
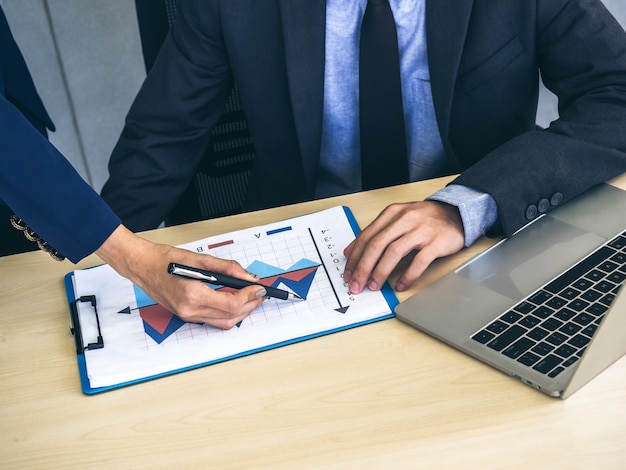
(531, 212)
(556, 199)
(543, 205)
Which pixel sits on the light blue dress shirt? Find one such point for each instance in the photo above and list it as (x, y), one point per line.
(340, 168)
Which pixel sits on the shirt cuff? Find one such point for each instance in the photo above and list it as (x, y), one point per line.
(478, 210)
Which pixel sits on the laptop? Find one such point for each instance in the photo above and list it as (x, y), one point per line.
(544, 305)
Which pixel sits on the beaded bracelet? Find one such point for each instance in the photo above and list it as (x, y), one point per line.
(19, 224)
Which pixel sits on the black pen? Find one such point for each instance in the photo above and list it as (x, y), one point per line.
(226, 281)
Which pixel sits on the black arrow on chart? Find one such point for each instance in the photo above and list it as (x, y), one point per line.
(342, 308)
(127, 310)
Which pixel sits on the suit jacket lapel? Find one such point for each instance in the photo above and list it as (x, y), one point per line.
(446, 27)
(304, 26)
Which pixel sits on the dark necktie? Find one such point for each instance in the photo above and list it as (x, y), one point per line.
(383, 141)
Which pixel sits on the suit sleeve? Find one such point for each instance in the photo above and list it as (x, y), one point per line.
(581, 52)
(43, 188)
(168, 126)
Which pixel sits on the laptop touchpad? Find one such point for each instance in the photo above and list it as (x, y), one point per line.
(530, 258)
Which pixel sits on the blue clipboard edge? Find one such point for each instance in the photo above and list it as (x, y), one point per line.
(386, 290)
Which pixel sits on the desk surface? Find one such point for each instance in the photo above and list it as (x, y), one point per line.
(382, 395)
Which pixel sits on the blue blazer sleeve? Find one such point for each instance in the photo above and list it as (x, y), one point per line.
(36, 181)
(42, 188)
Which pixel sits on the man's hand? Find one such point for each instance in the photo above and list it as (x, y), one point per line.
(433, 228)
(145, 263)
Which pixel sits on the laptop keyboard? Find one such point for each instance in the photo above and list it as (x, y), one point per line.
(550, 329)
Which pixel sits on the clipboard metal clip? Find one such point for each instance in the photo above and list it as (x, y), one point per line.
(76, 329)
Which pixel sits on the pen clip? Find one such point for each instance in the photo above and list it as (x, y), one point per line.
(191, 273)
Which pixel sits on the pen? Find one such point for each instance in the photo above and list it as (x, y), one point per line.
(226, 281)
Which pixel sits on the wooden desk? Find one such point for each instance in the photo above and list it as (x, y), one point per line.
(379, 396)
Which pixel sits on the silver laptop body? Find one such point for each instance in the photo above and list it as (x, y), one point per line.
(459, 307)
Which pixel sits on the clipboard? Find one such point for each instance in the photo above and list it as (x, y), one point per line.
(140, 335)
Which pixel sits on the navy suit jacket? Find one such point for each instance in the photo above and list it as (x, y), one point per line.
(36, 181)
(484, 59)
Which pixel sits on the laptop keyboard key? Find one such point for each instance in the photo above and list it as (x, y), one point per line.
(591, 295)
(579, 305)
(506, 338)
(595, 275)
(556, 372)
(511, 317)
(608, 266)
(564, 351)
(579, 341)
(543, 348)
(497, 327)
(537, 333)
(604, 286)
(556, 302)
(539, 297)
(565, 314)
(616, 277)
(570, 329)
(583, 284)
(619, 258)
(551, 324)
(528, 358)
(618, 243)
(596, 309)
(529, 321)
(483, 336)
(569, 293)
(607, 299)
(548, 363)
(524, 307)
(543, 312)
(590, 330)
(518, 348)
(583, 319)
(556, 338)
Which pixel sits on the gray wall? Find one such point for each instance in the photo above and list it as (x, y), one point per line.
(85, 57)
